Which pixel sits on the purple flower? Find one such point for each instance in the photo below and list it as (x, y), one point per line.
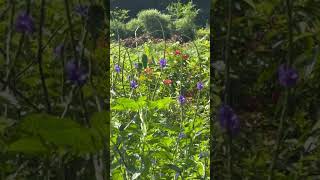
(182, 99)
(82, 10)
(228, 119)
(181, 135)
(25, 23)
(162, 63)
(133, 84)
(202, 154)
(288, 77)
(117, 68)
(136, 65)
(76, 74)
(58, 51)
(199, 86)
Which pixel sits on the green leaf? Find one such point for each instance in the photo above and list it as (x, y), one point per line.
(125, 104)
(39, 123)
(135, 176)
(145, 60)
(174, 167)
(250, 3)
(162, 103)
(29, 145)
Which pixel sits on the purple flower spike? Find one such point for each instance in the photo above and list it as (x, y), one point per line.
(163, 63)
(133, 84)
(76, 74)
(117, 68)
(228, 119)
(58, 51)
(25, 23)
(82, 10)
(199, 86)
(288, 77)
(182, 99)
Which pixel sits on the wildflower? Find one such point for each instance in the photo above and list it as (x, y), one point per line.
(148, 70)
(24, 23)
(167, 81)
(117, 68)
(228, 119)
(133, 84)
(287, 76)
(182, 99)
(82, 10)
(76, 74)
(202, 154)
(199, 86)
(181, 135)
(163, 63)
(177, 52)
(185, 56)
(58, 51)
(136, 65)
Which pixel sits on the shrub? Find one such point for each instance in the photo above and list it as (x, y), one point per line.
(203, 33)
(118, 27)
(184, 18)
(152, 21)
(135, 25)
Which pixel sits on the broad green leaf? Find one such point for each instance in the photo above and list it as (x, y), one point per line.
(39, 123)
(162, 103)
(29, 145)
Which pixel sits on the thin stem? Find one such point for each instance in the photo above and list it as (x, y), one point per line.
(8, 41)
(286, 98)
(279, 137)
(290, 30)
(70, 28)
(227, 85)
(42, 78)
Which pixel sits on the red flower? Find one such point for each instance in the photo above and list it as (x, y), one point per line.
(167, 81)
(185, 56)
(178, 52)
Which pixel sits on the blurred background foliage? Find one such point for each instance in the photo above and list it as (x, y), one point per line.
(258, 45)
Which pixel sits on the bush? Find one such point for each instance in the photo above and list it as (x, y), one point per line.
(118, 27)
(152, 21)
(203, 33)
(184, 17)
(135, 25)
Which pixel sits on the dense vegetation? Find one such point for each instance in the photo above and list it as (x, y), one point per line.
(265, 74)
(160, 97)
(52, 90)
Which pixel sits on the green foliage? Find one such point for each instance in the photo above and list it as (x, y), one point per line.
(118, 28)
(134, 27)
(155, 22)
(153, 136)
(184, 18)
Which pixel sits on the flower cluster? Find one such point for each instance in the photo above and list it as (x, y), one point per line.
(288, 77)
(76, 74)
(228, 119)
(25, 23)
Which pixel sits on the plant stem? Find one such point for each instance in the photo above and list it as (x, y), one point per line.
(227, 85)
(286, 98)
(279, 136)
(70, 28)
(42, 78)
